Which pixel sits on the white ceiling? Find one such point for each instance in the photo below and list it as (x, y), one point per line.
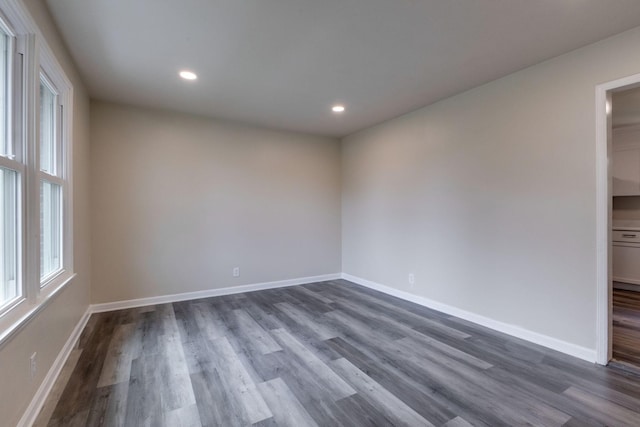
(283, 63)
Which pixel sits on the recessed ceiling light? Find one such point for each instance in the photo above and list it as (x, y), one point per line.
(337, 108)
(188, 75)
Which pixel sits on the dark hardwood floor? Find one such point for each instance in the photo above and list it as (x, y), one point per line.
(626, 327)
(326, 354)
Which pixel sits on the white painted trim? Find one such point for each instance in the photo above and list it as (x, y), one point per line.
(32, 411)
(603, 215)
(603, 117)
(20, 317)
(513, 330)
(163, 299)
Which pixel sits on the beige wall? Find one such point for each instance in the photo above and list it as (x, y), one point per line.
(178, 201)
(489, 196)
(49, 330)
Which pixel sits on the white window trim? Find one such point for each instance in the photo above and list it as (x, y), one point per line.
(54, 76)
(17, 163)
(38, 56)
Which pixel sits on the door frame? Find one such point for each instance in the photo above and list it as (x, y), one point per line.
(604, 281)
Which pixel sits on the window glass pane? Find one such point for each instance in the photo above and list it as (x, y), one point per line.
(47, 129)
(9, 289)
(5, 143)
(50, 228)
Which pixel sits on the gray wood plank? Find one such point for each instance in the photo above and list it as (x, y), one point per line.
(580, 412)
(187, 416)
(417, 342)
(254, 333)
(176, 390)
(58, 387)
(392, 407)
(237, 381)
(303, 318)
(143, 398)
(314, 295)
(75, 402)
(385, 316)
(357, 411)
(109, 406)
(421, 397)
(457, 422)
(216, 406)
(392, 310)
(208, 321)
(509, 401)
(334, 385)
(617, 414)
(286, 408)
(117, 364)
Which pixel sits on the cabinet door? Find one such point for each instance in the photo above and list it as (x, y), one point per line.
(626, 263)
(626, 172)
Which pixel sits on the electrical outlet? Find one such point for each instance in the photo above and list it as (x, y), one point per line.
(412, 279)
(33, 366)
(236, 272)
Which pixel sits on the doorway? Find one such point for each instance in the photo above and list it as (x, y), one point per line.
(618, 220)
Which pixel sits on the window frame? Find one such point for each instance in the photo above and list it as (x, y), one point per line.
(15, 162)
(59, 176)
(49, 70)
(36, 59)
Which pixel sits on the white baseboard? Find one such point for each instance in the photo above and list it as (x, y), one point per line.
(32, 411)
(141, 302)
(513, 330)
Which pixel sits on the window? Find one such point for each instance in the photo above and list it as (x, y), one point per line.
(5, 90)
(10, 178)
(51, 183)
(36, 253)
(9, 237)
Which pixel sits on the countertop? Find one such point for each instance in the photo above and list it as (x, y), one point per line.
(629, 225)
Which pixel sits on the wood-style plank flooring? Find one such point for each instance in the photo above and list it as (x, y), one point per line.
(323, 354)
(626, 327)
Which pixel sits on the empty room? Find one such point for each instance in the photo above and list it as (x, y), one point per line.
(319, 213)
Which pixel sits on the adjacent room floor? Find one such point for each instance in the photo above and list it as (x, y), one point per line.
(327, 354)
(626, 327)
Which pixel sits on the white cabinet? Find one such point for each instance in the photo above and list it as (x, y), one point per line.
(626, 172)
(625, 165)
(626, 262)
(626, 252)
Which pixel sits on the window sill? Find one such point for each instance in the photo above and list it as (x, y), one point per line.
(53, 280)
(23, 312)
